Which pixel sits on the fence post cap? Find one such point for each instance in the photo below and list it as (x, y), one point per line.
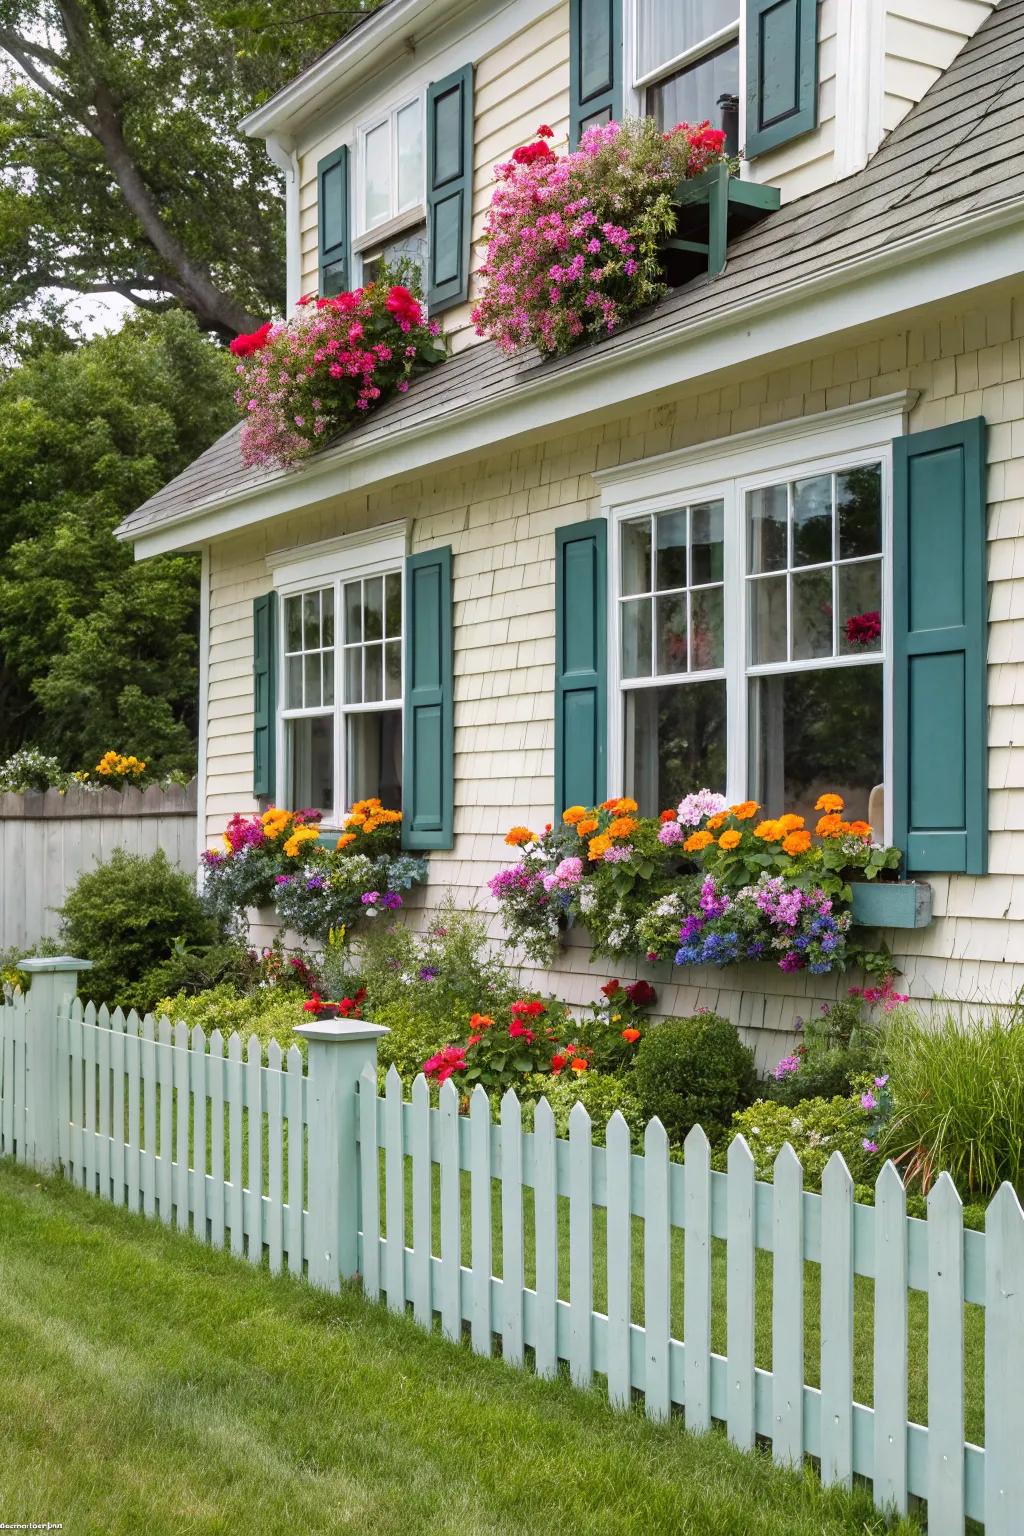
(38, 965)
(341, 1031)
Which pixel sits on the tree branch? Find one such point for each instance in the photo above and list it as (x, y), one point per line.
(20, 51)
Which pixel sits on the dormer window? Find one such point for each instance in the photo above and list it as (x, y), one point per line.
(688, 62)
(391, 166)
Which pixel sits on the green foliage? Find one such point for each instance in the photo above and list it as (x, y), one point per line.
(97, 650)
(126, 916)
(600, 1093)
(416, 1033)
(814, 1128)
(957, 1089)
(272, 1014)
(449, 968)
(192, 971)
(693, 1071)
(838, 1044)
(31, 769)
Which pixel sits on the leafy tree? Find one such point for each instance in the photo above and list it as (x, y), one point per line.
(123, 171)
(95, 649)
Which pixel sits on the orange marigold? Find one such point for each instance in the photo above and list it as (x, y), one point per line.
(629, 1035)
(730, 840)
(861, 829)
(586, 826)
(625, 806)
(345, 839)
(830, 825)
(745, 811)
(714, 822)
(622, 826)
(668, 815)
(791, 823)
(479, 1021)
(609, 805)
(696, 841)
(578, 1064)
(598, 846)
(829, 803)
(796, 842)
(768, 831)
(515, 837)
(574, 814)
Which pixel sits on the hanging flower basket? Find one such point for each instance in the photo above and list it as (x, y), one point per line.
(305, 380)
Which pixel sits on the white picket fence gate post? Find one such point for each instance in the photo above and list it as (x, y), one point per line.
(250, 1152)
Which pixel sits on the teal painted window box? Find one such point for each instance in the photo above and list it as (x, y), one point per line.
(713, 209)
(892, 903)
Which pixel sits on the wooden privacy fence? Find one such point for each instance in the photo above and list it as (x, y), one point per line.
(574, 1251)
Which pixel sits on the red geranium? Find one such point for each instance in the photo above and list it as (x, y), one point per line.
(863, 628)
(404, 306)
(255, 341)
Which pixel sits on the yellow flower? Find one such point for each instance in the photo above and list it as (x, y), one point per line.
(622, 826)
(574, 814)
(730, 840)
(586, 826)
(796, 842)
(301, 835)
(598, 846)
(768, 831)
(697, 841)
(517, 836)
(829, 803)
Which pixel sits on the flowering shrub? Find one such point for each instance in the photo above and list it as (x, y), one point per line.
(347, 1008)
(115, 767)
(572, 240)
(305, 379)
(814, 1128)
(498, 1055)
(609, 1033)
(706, 883)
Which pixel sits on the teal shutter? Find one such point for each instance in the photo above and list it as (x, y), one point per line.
(940, 613)
(595, 64)
(449, 188)
(581, 665)
(782, 72)
(428, 770)
(335, 258)
(264, 695)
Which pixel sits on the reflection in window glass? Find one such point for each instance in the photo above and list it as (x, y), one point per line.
(376, 176)
(409, 137)
(707, 91)
(667, 28)
(674, 742)
(373, 746)
(310, 758)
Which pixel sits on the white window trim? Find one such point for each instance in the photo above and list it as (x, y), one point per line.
(388, 114)
(331, 563)
(726, 469)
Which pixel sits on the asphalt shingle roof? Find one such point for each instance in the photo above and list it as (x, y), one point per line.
(959, 151)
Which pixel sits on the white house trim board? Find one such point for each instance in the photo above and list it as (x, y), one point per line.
(204, 707)
(975, 252)
(293, 569)
(283, 154)
(860, 82)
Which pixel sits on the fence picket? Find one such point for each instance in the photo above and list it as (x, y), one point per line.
(164, 1167)
(236, 1194)
(1004, 1364)
(394, 1193)
(545, 1234)
(89, 1057)
(657, 1273)
(117, 1126)
(103, 1125)
(480, 1219)
(890, 1462)
(945, 1360)
(182, 1121)
(296, 1160)
(76, 1048)
(422, 1201)
(788, 1310)
(275, 1160)
(147, 1049)
(836, 1323)
(200, 1088)
(619, 1229)
(133, 1092)
(740, 1280)
(7, 1077)
(369, 1175)
(451, 1219)
(512, 1263)
(254, 1125)
(63, 1094)
(697, 1279)
(581, 1247)
(217, 1173)
(21, 1084)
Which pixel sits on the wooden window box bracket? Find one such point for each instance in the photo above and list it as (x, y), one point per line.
(712, 209)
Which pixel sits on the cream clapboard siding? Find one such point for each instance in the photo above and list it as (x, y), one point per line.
(922, 38)
(500, 517)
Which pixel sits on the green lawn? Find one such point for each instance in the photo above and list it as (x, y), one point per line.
(150, 1384)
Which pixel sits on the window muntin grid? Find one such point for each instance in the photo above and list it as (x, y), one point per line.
(309, 650)
(672, 593)
(372, 649)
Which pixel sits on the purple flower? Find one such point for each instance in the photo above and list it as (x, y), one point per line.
(691, 928)
(670, 834)
(370, 898)
(869, 1146)
(791, 961)
(868, 1101)
(711, 903)
(880, 1082)
(785, 1067)
(428, 972)
(282, 879)
(315, 883)
(211, 858)
(391, 901)
(618, 855)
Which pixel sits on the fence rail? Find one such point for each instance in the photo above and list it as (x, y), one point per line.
(513, 1234)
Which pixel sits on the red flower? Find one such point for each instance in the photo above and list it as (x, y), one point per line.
(534, 1009)
(255, 341)
(610, 988)
(631, 1035)
(544, 132)
(518, 1030)
(863, 628)
(403, 305)
(641, 993)
(307, 298)
(526, 154)
(558, 1063)
(313, 1004)
(667, 816)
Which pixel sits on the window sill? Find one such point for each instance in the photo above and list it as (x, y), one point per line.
(381, 234)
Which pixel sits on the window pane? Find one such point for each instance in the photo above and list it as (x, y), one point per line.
(672, 634)
(636, 557)
(666, 28)
(327, 615)
(768, 619)
(311, 697)
(293, 683)
(707, 629)
(310, 621)
(696, 94)
(327, 674)
(636, 638)
(293, 623)
(373, 674)
(310, 757)
(393, 670)
(373, 608)
(374, 756)
(408, 126)
(812, 614)
(766, 525)
(354, 676)
(860, 608)
(706, 543)
(813, 732)
(671, 534)
(376, 176)
(812, 521)
(393, 604)
(675, 742)
(859, 508)
(353, 611)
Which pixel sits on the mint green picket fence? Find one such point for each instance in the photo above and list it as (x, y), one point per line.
(311, 1169)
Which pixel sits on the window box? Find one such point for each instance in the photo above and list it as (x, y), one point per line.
(892, 904)
(713, 209)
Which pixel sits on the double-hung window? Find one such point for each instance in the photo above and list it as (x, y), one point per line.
(390, 210)
(340, 684)
(687, 62)
(752, 637)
